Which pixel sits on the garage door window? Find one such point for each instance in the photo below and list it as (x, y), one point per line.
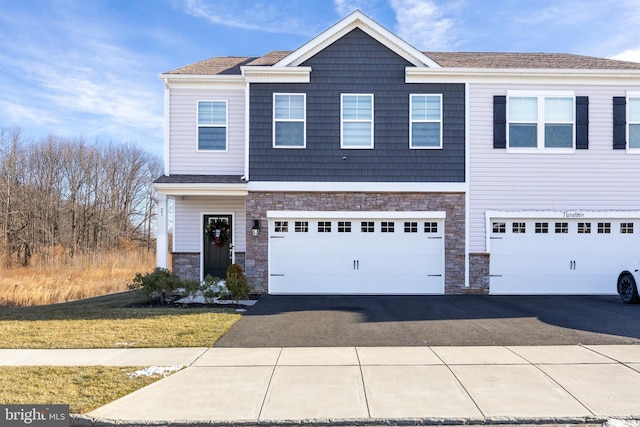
(302, 227)
(626, 228)
(604, 228)
(499, 227)
(562, 227)
(387, 227)
(367, 227)
(430, 227)
(542, 227)
(281, 226)
(324, 226)
(344, 226)
(584, 228)
(519, 227)
(410, 227)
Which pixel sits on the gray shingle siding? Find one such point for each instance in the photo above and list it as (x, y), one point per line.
(356, 63)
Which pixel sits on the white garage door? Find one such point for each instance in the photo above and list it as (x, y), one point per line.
(560, 256)
(348, 254)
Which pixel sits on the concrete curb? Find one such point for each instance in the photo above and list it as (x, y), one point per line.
(86, 421)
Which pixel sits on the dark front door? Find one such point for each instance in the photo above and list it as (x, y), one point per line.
(217, 252)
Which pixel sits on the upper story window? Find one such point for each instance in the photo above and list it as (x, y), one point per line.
(289, 116)
(212, 125)
(425, 129)
(356, 124)
(540, 121)
(633, 113)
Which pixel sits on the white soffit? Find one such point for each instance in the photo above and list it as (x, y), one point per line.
(357, 19)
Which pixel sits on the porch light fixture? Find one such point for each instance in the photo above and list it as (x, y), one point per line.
(255, 230)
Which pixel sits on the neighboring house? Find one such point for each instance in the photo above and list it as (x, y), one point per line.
(357, 164)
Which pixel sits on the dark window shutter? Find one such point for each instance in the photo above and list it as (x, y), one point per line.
(499, 121)
(619, 122)
(582, 122)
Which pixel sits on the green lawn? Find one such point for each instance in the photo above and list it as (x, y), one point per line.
(101, 322)
(109, 322)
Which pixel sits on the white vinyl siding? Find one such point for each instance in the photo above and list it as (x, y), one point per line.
(425, 127)
(356, 124)
(633, 121)
(184, 157)
(187, 231)
(289, 120)
(598, 179)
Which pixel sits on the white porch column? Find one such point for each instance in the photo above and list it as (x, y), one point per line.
(162, 240)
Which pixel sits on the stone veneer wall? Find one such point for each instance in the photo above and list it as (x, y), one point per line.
(478, 273)
(258, 203)
(186, 265)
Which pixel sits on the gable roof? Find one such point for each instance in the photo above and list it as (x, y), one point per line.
(357, 19)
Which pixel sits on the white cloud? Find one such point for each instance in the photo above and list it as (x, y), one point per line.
(294, 17)
(345, 7)
(632, 55)
(423, 24)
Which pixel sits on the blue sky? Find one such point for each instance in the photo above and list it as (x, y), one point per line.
(89, 68)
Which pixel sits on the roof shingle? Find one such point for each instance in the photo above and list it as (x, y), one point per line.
(230, 65)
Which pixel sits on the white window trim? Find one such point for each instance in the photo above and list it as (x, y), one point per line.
(304, 122)
(411, 121)
(541, 95)
(342, 121)
(630, 94)
(226, 126)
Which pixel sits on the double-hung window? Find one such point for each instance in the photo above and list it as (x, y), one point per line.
(425, 129)
(212, 125)
(356, 124)
(633, 121)
(289, 116)
(540, 121)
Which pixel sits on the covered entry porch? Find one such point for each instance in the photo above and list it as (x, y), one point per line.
(207, 220)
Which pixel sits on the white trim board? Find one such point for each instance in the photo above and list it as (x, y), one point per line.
(360, 187)
(358, 214)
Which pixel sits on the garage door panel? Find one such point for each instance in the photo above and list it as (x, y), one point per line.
(568, 256)
(405, 258)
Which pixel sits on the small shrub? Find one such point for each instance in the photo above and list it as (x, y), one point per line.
(211, 288)
(159, 283)
(188, 287)
(237, 284)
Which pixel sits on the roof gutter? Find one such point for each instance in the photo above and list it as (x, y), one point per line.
(502, 75)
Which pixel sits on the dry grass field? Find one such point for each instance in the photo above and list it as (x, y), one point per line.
(55, 277)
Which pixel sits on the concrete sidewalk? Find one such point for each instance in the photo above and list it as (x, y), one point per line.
(369, 385)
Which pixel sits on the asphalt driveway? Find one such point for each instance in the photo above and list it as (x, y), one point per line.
(448, 320)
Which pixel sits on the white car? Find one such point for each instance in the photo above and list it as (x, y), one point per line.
(628, 284)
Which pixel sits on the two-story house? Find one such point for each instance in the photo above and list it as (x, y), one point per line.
(358, 164)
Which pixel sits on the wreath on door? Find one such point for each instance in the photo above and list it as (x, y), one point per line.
(218, 232)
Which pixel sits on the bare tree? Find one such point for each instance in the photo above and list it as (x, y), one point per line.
(83, 197)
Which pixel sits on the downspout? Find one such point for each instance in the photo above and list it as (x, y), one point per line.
(167, 126)
(467, 163)
(245, 177)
